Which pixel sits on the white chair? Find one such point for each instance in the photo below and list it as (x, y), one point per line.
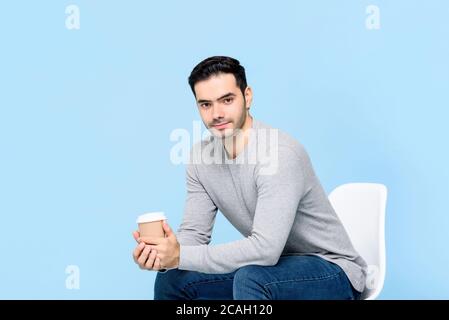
(361, 209)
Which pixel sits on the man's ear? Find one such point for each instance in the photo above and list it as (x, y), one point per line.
(248, 97)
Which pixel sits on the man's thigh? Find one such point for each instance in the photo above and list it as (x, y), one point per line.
(293, 277)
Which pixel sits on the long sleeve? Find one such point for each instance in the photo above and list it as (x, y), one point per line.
(199, 213)
(278, 196)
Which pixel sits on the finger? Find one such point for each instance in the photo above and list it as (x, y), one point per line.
(167, 229)
(157, 264)
(144, 257)
(136, 235)
(152, 240)
(137, 251)
(150, 262)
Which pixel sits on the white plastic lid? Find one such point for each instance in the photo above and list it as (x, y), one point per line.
(150, 217)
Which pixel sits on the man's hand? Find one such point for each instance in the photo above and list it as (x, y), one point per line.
(144, 256)
(167, 249)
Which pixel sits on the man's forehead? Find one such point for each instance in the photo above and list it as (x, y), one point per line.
(216, 86)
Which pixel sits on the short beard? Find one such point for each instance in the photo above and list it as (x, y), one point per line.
(237, 129)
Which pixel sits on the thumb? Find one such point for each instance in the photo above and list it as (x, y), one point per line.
(136, 235)
(167, 229)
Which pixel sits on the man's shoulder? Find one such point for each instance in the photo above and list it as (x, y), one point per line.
(286, 143)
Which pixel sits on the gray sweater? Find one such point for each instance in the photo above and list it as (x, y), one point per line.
(271, 195)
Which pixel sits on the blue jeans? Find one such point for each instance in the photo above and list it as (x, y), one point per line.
(292, 278)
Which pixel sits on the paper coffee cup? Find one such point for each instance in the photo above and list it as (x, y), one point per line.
(150, 224)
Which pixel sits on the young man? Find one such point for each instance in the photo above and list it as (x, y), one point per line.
(294, 246)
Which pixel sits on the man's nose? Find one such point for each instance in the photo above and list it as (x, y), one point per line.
(217, 111)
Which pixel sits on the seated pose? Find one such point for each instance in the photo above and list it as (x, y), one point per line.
(262, 180)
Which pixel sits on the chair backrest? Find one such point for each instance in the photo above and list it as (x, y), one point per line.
(361, 209)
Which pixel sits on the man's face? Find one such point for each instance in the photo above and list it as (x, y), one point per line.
(222, 105)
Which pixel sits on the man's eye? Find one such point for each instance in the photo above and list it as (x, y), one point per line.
(205, 105)
(228, 100)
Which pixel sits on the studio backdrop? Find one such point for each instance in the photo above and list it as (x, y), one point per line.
(92, 91)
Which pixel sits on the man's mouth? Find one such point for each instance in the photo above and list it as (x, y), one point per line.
(220, 125)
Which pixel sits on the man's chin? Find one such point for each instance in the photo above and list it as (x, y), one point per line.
(224, 133)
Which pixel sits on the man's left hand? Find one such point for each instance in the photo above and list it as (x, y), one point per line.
(168, 248)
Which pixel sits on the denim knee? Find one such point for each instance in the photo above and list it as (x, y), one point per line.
(170, 285)
(249, 284)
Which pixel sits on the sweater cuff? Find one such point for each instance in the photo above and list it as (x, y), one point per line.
(166, 269)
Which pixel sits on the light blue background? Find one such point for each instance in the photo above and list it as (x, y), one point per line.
(86, 116)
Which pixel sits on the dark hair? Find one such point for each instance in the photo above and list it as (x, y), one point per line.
(216, 65)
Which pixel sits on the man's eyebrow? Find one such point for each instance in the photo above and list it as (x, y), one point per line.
(227, 95)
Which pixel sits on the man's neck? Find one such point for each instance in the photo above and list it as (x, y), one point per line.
(235, 144)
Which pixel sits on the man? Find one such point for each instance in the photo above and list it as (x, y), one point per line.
(294, 246)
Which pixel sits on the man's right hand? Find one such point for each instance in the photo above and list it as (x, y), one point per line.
(144, 256)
